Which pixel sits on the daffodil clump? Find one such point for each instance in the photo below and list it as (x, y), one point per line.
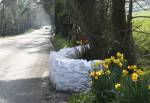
(119, 61)
(96, 74)
(99, 73)
(133, 72)
(113, 74)
(102, 76)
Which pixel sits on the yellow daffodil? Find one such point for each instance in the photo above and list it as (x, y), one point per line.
(120, 64)
(92, 74)
(125, 72)
(97, 63)
(132, 67)
(99, 73)
(96, 77)
(117, 86)
(120, 56)
(106, 66)
(134, 77)
(129, 67)
(116, 61)
(112, 58)
(149, 86)
(140, 72)
(108, 72)
(107, 61)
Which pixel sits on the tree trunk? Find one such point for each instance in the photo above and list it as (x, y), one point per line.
(93, 24)
(123, 30)
(105, 24)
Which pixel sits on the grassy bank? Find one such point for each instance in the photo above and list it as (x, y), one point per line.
(142, 40)
(59, 42)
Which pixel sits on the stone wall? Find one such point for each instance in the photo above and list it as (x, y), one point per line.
(69, 74)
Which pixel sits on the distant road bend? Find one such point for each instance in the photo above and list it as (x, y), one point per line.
(23, 64)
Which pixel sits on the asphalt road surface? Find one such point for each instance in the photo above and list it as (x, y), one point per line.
(24, 69)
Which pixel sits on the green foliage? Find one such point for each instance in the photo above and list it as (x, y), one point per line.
(102, 88)
(105, 79)
(60, 42)
(134, 92)
(14, 17)
(13, 35)
(83, 98)
(62, 17)
(123, 84)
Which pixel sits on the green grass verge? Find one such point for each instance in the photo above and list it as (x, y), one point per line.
(142, 40)
(60, 42)
(88, 97)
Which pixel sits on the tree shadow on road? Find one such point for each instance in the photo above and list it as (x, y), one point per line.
(32, 90)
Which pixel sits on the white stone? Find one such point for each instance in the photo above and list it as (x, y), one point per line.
(69, 74)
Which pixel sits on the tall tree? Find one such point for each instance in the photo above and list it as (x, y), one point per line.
(3, 18)
(122, 29)
(105, 24)
(92, 15)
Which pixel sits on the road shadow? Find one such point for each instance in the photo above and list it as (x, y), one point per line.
(34, 90)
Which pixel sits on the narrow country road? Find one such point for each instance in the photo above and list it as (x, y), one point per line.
(23, 67)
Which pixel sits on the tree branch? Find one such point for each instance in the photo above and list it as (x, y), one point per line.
(141, 32)
(141, 17)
